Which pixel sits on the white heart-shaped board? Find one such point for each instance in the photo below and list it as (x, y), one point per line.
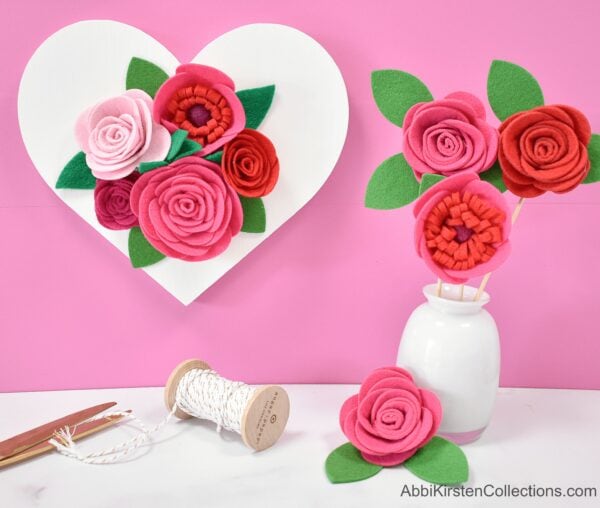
(86, 62)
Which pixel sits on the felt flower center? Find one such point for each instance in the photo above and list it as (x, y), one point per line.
(202, 111)
(461, 231)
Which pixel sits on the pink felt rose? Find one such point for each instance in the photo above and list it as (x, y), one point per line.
(186, 210)
(111, 202)
(390, 418)
(448, 136)
(462, 228)
(202, 101)
(118, 134)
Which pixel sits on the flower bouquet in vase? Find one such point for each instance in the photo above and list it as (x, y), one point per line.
(456, 167)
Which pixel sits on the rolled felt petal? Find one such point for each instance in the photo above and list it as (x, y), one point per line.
(112, 202)
(391, 418)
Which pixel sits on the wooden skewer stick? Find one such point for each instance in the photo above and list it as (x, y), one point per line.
(438, 289)
(462, 292)
(486, 278)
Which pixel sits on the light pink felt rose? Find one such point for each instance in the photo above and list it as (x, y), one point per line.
(448, 136)
(390, 418)
(118, 134)
(187, 210)
(462, 228)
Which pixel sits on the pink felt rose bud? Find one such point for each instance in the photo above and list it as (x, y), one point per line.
(187, 210)
(118, 134)
(202, 101)
(390, 418)
(462, 228)
(111, 202)
(449, 136)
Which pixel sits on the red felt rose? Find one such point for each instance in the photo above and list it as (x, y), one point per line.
(250, 164)
(186, 210)
(111, 202)
(390, 418)
(544, 149)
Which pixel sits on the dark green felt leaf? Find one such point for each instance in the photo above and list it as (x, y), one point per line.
(141, 253)
(494, 176)
(76, 174)
(439, 461)
(512, 89)
(215, 157)
(177, 139)
(345, 464)
(429, 180)
(392, 185)
(149, 166)
(594, 155)
(395, 92)
(255, 217)
(256, 102)
(144, 75)
(188, 147)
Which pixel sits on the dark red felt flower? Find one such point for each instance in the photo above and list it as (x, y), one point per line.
(111, 202)
(250, 164)
(544, 149)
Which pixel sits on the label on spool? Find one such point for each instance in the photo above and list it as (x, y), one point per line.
(266, 417)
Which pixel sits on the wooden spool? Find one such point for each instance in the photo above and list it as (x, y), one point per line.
(264, 417)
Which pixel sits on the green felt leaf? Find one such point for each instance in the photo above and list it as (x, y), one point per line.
(345, 464)
(512, 89)
(215, 157)
(429, 180)
(255, 217)
(392, 185)
(396, 91)
(141, 253)
(256, 102)
(144, 75)
(177, 139)
(594, 155)
(188, 147)
(144, 167)
(439, 461)
(76, 174)
(494, 176)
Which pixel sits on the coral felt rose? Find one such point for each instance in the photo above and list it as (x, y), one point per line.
(448, 136)
(462, 228)
(390, 418)
(111, 202)
(118, 134)
(202, 101)
(250, 164)
(544, 149)
(187, 210)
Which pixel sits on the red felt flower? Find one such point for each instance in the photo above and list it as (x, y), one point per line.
(250, 164)
(544, 149)
(462, 228)
(111, 202)
(202, 101)
(390, 418)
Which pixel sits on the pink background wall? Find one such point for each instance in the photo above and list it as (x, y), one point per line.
(326, 297)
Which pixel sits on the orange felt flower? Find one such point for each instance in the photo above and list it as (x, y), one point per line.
(250, 164)
(544, 149)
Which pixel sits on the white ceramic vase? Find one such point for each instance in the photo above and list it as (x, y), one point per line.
(452, 347)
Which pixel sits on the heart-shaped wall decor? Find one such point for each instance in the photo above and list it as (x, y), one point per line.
(87, 62)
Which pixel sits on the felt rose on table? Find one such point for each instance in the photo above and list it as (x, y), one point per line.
(111, 202)
(544, 149)
(202, 101)
(462, 228)
(187, 210)
(390, 418)
(449, 136)
(250, 164)
(118, 134)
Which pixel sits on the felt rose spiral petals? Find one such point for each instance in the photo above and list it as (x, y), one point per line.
(177, 161)
(392, 421)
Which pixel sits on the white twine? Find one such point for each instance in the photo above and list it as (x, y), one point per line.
(200, 393)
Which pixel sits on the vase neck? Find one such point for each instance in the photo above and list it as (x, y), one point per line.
(450, 301)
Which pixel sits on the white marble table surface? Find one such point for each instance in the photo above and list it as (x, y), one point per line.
(546, 438)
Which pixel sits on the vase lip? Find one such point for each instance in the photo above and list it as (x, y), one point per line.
(450, 301)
